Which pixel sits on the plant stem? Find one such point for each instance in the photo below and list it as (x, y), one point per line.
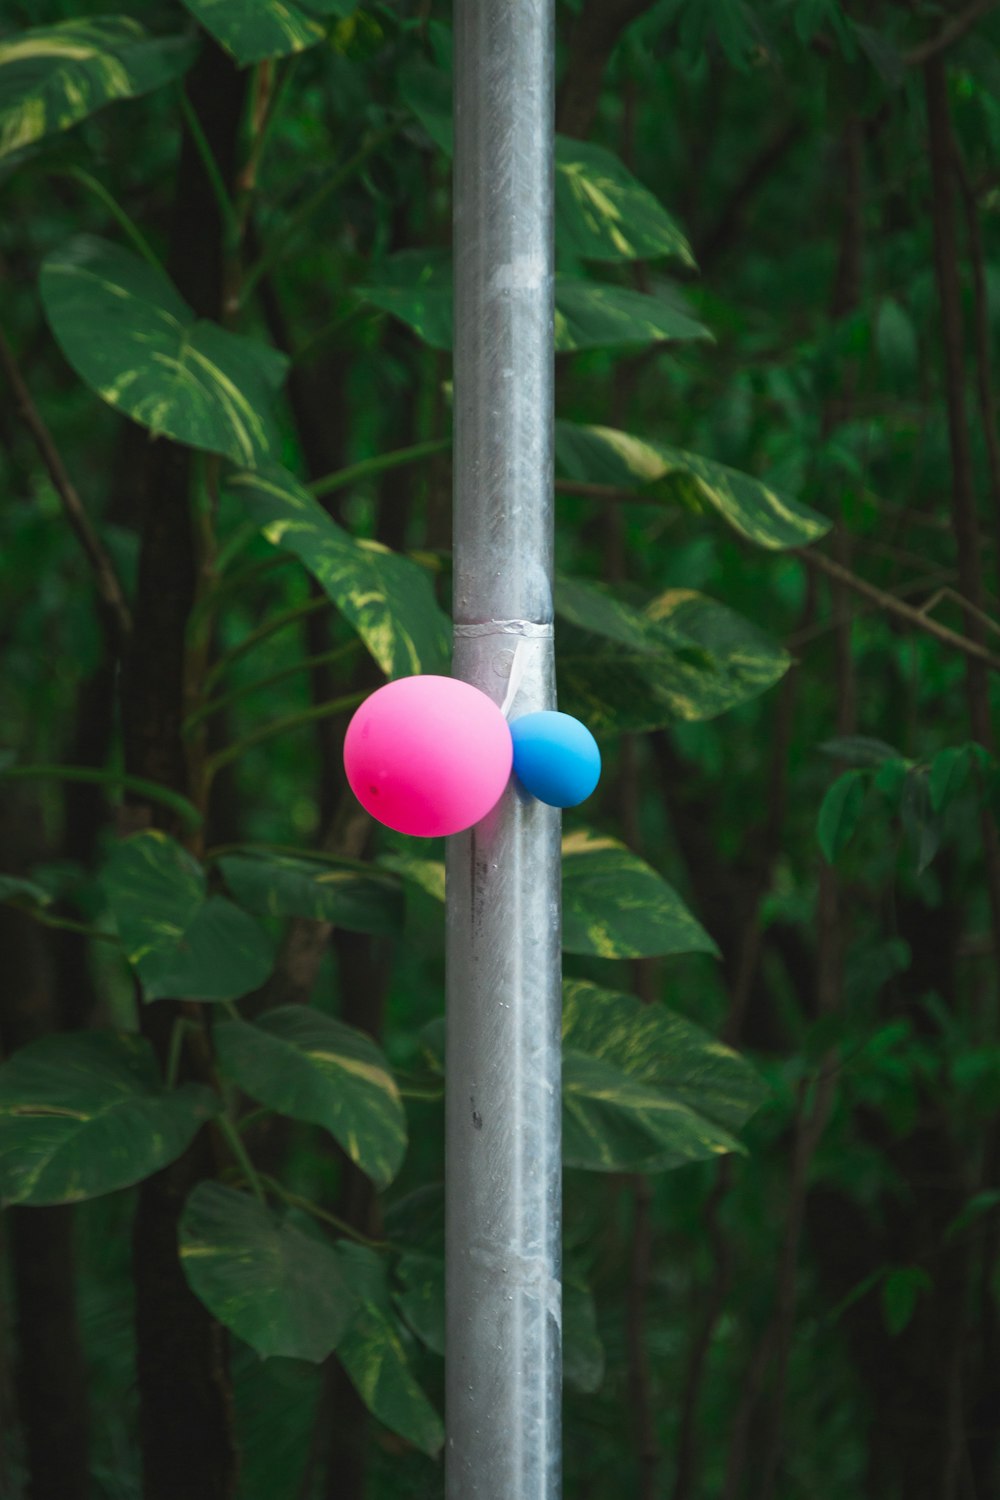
(378, 465)
(274, 253)
(226, 700)
(151, 789)
(108, 584)
(122, 219)
(213, 172)
(268, 628)
(322, 1214)
(238, 1149)
(281, 726)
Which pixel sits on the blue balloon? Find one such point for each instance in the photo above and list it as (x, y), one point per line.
(556, 758)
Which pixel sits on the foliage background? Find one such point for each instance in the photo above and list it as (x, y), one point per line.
(790, 662)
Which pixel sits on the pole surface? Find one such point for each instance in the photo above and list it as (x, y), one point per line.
(503, 1039)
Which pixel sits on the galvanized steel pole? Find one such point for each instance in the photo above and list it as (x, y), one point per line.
(503, 1076)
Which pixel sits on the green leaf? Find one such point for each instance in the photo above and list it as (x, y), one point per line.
(604, 456)
(345, 892)
(922, 824)
(616, 906)
(859, 750)
(54, 76)
(950, 769)
(184, 943)
(678, 657)
(374, 1355)
(594, 315)
(276, 1286)
(601, 211)
(387, 598)
(896, 339)
(420, 1297)
(129, 334)
(614, 1123)
(415, 286)
(313, 1068)
(428, 874)
(13, 888)
(840, 813)
(86, 1113)
(973, 1209)
(900, 1290)
(658, 1047)
(252, 30)
(583, 1352)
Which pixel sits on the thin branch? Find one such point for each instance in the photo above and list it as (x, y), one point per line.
(281, 726)
(377, 465)
(108, 585)
(950, 34)
(895, 606)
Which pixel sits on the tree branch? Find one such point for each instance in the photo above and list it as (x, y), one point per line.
(950, 34)
(895, 606)
(108, 585)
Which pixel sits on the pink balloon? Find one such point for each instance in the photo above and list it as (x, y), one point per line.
(428, 755)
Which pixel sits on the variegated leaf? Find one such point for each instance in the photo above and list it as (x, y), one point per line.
(314, 1068)
(253, 30)
(129, 334)
(183, 943)
(663, 1050)
(678, 656)
(347, 893)
(617, 906)
(54, 76)
(86, 1114)
(415, 286)
(275, 1285)
(601, 211)
(374, 1354)
(387, 598)
(604, 456)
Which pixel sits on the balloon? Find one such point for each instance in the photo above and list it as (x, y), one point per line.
(556, 758)
(428, 755)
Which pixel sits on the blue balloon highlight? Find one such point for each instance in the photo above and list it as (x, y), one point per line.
(556, 758)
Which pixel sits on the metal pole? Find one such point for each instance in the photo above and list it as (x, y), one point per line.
(503, 1041)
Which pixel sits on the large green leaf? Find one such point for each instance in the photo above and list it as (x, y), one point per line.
(644, 1089)
(415, 286)
(307, 1065)
(601, 211)
(277, 1286)
(616, 906)
(54, 76)
(129, 334)
(86, 1113)
(253, 30)
(657, 1047)
(677, 656)
(348, 893)
(184, 943)
(374, 1355)
(387, 598)
(613, 1122)
(602, 455)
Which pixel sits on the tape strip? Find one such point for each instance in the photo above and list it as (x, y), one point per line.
(529, 629)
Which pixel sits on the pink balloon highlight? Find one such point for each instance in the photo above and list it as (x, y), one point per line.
(428, 755)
